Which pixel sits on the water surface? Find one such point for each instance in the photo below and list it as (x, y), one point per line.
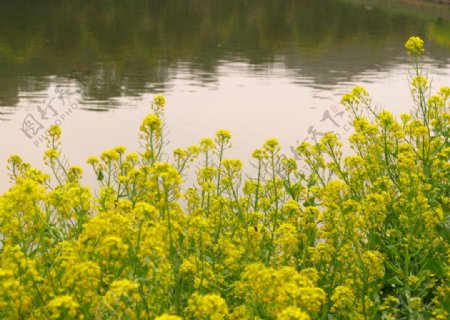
(261, 68)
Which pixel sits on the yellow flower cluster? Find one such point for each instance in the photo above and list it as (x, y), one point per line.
(210, 306)
(363, 235)
(269, 291)
(415, 45)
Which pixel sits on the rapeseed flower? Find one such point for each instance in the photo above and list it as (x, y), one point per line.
(326, 235)
(415, 45)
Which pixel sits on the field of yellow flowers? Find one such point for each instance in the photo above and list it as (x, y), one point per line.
(358, 236)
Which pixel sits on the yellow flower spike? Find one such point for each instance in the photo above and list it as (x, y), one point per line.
(63, 307)
(286, 240)
(235, 165)
(54, 132)
(165, 174)
(293, 313)
(373, 261)
(330, 140)
(194, 150)
(291, 207)
(179, 153)
(160, 101)
(51, 153)
(168, 317)
(132, 157)
(436, 101)
(120, 149)
(151, 123)
(360, 92)
(444, 92)
(74, 174)
(386, 119)
(310, 273)
(106, 198)
(15, 160)
(311, 298)
(145, 211)
(110, 155)
(416, 304)
(207, 173)
(124, 206)
(210, 306)
(259, 154)
(415, 45)
(277, 289)
(92, 161)
(347, 101)
(290, 164)
(271, 145)
(223, 136)
(419, 82)
(405, 117)
(206, 144)
(440, 314)
(304, 148)
(354, 98)
(343, 297)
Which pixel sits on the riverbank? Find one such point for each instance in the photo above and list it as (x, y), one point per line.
(435, 8)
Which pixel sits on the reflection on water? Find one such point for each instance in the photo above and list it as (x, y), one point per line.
(244, 65)
(120, 47)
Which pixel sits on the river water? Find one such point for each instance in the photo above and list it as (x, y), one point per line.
(260, 68)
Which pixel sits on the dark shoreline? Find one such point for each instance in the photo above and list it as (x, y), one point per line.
(436, 8)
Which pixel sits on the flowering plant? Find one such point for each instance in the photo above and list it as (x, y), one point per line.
(358, 236)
